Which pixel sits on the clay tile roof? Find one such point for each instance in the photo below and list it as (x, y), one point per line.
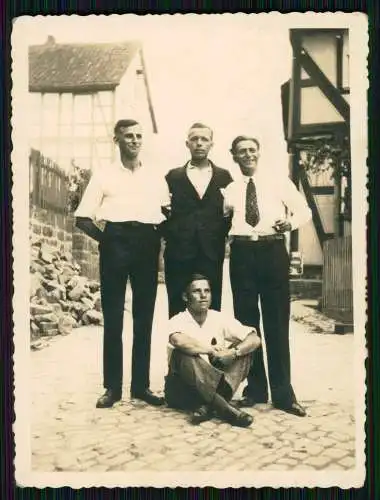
(67, 67)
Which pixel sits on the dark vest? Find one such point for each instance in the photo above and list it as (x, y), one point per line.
(196, 224)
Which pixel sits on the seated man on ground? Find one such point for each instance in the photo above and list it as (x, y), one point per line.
(210, 355)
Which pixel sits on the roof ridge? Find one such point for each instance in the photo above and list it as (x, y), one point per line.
(54, 45)
(55, 66)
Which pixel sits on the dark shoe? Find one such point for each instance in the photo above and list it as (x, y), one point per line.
(108, 399)
(248, 402)
(243, 419)
(294, 409)
(201, 414)
(148, 397)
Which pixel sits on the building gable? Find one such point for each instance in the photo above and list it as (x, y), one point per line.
(78, 67)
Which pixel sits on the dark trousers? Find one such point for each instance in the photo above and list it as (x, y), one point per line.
(261, 269)
(192, 381)
(128, 251)
(178, 273)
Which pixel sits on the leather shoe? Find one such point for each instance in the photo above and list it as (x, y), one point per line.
(108, 399)
(243, 419)
(148, 397)
(294, 409)
(248, 402)
(201, 414)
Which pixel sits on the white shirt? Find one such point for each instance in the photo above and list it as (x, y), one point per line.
(117, 194)
(199, 177)
(274, 196)
(218, 326)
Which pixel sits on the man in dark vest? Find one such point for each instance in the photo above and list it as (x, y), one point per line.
(196, 228)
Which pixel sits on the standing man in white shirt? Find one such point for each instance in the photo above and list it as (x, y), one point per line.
(264, 207)
(196, 229)
(128, 196)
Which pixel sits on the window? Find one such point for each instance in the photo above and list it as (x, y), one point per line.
(103, 111)
(82, 148)
(102, 130)
(50, 101)
(35, 108)
(66, 125)
(82, 108)
(66, 146)
(103, 114)
(81, 130)
(103, 149)
(66, 111)
(319, 47)
(50, 115)
(66, 131)
(35, 131)
(105, 97)
(49, 149)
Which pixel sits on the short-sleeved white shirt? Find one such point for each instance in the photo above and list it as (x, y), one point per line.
(224, 329)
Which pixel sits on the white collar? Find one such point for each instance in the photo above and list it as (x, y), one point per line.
(193, 320)
(246, 178)
(121, 167)
(190, 166)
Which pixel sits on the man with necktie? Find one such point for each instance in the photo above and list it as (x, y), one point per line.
(128, 195)
(264, 207)
(196, 229)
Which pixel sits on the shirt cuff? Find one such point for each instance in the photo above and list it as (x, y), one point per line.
(79, 213)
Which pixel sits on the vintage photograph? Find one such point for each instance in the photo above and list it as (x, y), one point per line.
(189, 249)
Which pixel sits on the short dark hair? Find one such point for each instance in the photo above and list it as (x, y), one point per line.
(240, 138)
(196, 277)
(201, 125)
(124, 124)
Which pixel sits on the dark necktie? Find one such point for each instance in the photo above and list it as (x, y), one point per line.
(252, 214)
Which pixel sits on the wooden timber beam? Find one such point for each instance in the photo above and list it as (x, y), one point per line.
(329, 90)
(322, 236)
(148, 94)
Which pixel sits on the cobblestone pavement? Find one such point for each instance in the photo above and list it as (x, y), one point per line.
(70, 434)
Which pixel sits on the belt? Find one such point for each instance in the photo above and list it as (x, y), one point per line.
(255, 238)
(131, 223)
(129, 226)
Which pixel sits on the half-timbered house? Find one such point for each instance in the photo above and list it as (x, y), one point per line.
(78, 91)
(316, 111)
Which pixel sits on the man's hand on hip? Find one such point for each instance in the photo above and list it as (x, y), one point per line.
(282, 226)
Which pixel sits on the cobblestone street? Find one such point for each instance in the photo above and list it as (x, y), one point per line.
(70, 434)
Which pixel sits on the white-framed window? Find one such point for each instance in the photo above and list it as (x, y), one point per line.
(66, 126)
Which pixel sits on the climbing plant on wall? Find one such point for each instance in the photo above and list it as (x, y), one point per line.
(78, 180)
(333, 156)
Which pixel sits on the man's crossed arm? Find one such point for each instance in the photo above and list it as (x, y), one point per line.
(194, 347)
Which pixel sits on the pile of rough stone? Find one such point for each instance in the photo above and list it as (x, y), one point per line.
(60, 299)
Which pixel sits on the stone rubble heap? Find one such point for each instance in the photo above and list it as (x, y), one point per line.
(60, 298)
